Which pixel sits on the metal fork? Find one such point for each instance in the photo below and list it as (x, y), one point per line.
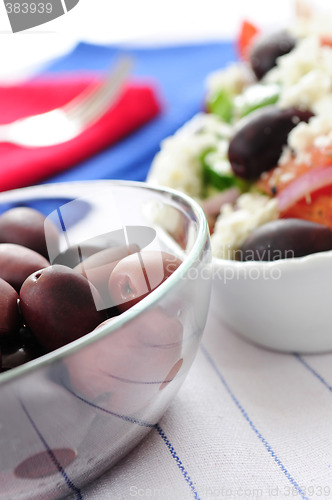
(62, 124)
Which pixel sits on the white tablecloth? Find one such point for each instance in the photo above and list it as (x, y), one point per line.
(247, 423)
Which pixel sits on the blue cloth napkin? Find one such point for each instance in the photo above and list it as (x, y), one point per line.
(178, 71)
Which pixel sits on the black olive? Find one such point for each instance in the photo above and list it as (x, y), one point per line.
(285, 238)
(257, 144)
(267, 49)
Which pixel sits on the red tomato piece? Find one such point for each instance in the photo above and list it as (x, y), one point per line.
(316, 208)
(247, 33)
(274, 181)
(326, 40)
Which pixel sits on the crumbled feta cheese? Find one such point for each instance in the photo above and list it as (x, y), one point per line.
(178, 164)
(285, 157)
(287, 176)
(317, 131)
(305, 74)
(307, 91)
(323, 106)
(323, 141)
(235, 224)
(312, 18)
(232, 79)
(303, 158)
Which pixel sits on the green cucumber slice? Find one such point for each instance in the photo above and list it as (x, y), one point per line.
(221, 104)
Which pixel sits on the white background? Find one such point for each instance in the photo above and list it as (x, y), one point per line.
(132, 21)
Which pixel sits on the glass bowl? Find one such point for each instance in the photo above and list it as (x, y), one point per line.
(69, 415)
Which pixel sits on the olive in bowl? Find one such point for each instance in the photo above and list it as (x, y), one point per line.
(84, 405)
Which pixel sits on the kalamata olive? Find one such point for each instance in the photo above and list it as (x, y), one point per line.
(75, 254)
(139, 236)
(9, 311)
(58, 306)
(267, 48)
(18, 262)
(98, 268)
(134, 277)
(17, 353)
(26, 336)
(257, 144)
(26, 226)
(286, 238)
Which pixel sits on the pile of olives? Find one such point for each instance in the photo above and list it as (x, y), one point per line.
(44, 306)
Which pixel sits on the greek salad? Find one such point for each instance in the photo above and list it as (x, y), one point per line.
(259, 157)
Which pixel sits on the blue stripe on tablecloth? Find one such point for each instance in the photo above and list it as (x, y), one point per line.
(62, 471)
(252, 425)
(313, 371)
(153, 426)
(177, 460)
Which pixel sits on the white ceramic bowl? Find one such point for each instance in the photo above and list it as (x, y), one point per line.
(283, 305)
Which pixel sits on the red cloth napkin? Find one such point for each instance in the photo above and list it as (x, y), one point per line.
(21, 166)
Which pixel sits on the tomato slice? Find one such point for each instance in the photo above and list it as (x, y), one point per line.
(316, 208)
(275, 181)
(248, 31)
(326, 40)
(317, 205)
